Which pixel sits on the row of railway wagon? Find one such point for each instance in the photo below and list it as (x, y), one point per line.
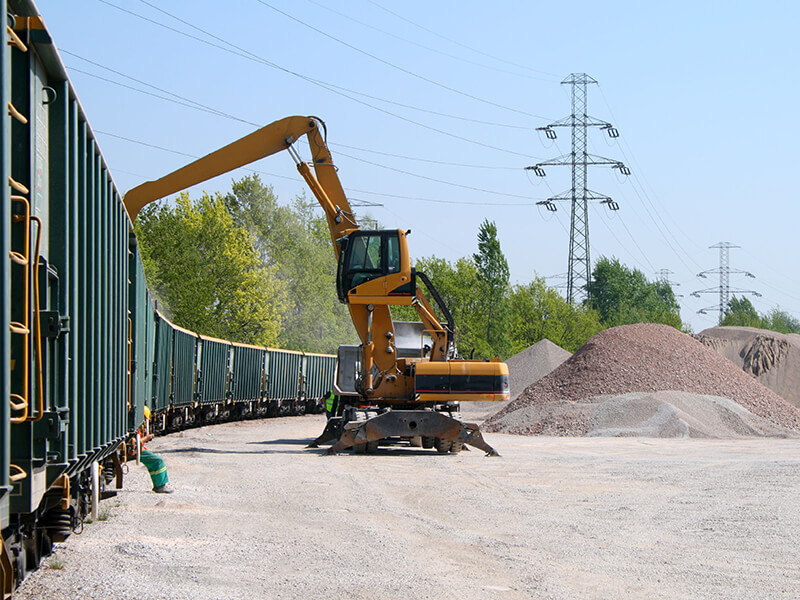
(82, 348)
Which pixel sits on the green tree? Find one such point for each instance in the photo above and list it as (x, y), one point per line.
(297, 244)
(780, 321)
(457, 284)
(204, 270)
(622, 296)
(493, 278)
(741, 313)
(539, 312)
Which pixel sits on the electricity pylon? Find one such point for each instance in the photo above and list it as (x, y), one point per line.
(663, 277)
(724, 289)
(579, 265)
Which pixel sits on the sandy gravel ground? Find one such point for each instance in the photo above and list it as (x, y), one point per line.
(255, 515)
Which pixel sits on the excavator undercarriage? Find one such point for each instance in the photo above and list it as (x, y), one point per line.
(428, 428)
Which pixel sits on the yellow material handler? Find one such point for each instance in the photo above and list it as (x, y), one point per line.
(405, 381)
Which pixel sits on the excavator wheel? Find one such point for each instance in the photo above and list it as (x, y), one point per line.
(456, 447)
(427, 442)
(442, 446)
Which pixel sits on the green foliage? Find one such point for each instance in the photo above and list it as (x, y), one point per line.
(492, 301)
(623, 296)
(741, 312)
(202, 267)
(55, 564)
(780, 321)
(539, 312)
(457, 285)
(297, 244)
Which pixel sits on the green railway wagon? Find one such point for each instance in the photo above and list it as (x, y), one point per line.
(162, 364)
(82, 348)
(213, 373)
(141, 341)
(283, 383)
(247, 373)
(319, 373)
(184, 367)
(65, 316)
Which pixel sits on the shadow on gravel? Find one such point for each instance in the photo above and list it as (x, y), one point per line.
(216, 451)
(286, 441)
(390, 451)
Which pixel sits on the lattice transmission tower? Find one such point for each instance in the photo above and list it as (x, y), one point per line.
(579, 264)
(724, 290)
(663, 277)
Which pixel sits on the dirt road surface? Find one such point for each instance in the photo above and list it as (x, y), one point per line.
(255, 515)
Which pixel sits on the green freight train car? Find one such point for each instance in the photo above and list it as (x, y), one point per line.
(82, 350)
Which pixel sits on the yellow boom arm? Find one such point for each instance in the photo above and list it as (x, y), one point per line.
(268, 140)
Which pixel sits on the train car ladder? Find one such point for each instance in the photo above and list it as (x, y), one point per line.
(20, 402)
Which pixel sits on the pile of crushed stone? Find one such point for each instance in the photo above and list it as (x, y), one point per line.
(524, 368)
(529, 366)
(678, 378)
(772, 358)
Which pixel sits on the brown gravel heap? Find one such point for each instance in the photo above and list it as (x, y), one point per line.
(634, 358)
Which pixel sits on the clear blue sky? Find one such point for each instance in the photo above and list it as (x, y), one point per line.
(434, 113)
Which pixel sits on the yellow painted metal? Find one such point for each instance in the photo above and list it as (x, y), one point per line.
(37, 324)
(14, 40)
(13, 112)
(18, 473)
(130, 360)
(6, 572)
(63, 484)
(20, 402)
(463, 368)
(17, 186)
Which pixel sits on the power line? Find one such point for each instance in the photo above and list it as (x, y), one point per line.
(425, 160)
(397, 67)
(188, 104)
(451, 183)
(196, 105)
(422, 199)
(430, 112)
(329, 87)
(461, 44)
(644, 196)
(417, 44)
(186, 101)
(623, 246)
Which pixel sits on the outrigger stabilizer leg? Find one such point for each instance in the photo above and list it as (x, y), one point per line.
(409, 423)
(331, 433)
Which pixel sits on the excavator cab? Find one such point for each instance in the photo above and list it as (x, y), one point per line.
(374, 263)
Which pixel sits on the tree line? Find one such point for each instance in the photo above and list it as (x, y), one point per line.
(741, 312)
(241, 266)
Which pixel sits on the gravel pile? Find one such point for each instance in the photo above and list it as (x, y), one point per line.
(529, 366)
(643, 358)
(524, 369)
(772, 358)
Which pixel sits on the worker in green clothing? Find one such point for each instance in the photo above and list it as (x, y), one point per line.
(154, 463)
(332, 404)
